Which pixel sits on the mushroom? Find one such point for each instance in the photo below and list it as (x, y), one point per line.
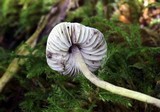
(73, 48)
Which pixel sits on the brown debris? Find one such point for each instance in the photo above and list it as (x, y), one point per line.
(125, 13)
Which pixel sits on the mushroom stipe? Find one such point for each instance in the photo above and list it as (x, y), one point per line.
(73, 48)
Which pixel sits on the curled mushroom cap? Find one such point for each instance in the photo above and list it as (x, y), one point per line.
(72, 47)
(65, 37)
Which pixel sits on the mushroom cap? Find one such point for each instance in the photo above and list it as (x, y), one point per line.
(62, 41)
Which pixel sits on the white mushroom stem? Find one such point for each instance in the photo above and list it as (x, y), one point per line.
(110, 87)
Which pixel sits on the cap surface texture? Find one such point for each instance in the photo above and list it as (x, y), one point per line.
(62, 41)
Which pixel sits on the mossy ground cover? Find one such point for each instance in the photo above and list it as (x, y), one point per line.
(132, 60)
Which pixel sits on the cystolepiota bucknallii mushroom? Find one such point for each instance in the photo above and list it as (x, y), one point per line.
(73, 48)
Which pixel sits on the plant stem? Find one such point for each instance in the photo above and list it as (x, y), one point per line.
(56, 15)
(22, 50)
(110, 87)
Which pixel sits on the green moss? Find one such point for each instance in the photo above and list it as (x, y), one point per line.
(127, 63)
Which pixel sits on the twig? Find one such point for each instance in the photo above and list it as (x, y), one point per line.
(56, 15)
(22, 50)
